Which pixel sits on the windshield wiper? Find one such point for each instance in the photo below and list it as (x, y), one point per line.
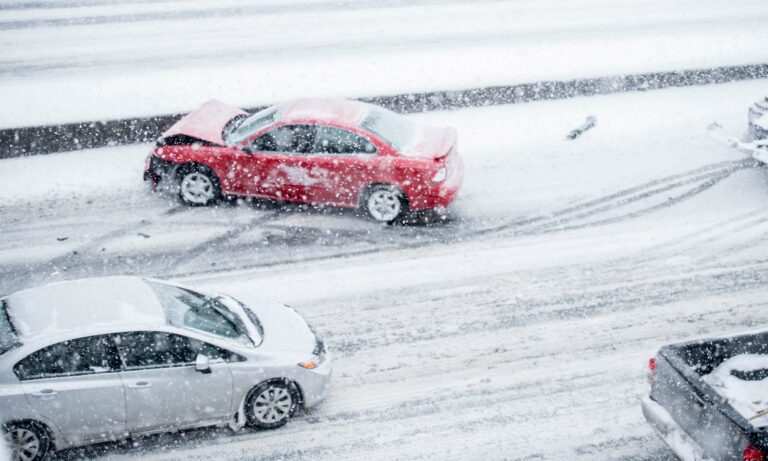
(251, 316)
(236, 320)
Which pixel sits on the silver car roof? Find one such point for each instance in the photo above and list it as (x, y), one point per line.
(54, 309)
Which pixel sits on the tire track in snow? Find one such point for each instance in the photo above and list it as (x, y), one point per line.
(708, 175)
(613, 208)
(37, 274)
(570, 218)
(177, 259)
(253, 9)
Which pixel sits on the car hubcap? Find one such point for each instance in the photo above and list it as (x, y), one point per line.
(197, 188)
(272, 405)
(25, 444)
(384, 205)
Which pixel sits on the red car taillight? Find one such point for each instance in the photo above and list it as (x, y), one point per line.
(753, 454)
(651, 370)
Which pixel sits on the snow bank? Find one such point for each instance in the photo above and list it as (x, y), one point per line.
(743, 380)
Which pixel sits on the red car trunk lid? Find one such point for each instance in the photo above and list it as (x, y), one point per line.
(435, 143)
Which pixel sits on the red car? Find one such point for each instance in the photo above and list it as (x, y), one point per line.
(320, 151)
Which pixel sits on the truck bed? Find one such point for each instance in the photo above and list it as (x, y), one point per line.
(700, 415)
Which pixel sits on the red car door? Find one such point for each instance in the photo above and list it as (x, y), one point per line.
(346, 163)
(277, 163)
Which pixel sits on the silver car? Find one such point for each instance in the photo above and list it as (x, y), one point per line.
(98, 360)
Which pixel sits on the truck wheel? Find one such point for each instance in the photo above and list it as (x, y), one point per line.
(198, 185)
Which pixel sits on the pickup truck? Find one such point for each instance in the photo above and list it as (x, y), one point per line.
(709, 398)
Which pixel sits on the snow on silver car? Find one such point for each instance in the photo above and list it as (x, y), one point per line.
(103, 359)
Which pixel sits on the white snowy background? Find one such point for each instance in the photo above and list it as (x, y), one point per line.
(520, 329)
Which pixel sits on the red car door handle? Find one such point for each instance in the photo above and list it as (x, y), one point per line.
(45, 394)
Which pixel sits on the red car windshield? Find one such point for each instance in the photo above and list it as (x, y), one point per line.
(249, 126)
(398, 131)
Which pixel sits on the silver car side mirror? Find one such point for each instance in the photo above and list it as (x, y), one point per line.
(202, 364)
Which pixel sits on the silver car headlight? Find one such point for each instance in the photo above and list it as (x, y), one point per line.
(313, 363)
(318, 352)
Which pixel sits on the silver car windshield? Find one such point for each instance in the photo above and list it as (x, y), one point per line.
(194, 311)
(8, 337)
(250, 126)
(395, 129)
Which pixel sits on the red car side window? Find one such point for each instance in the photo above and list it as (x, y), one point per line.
(297, 139)
(332, 140)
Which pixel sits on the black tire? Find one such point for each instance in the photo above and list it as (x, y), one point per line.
(198, 185)
(29, 439)
(384, 203)
(271, 404)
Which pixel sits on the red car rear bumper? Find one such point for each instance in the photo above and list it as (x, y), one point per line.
(436, 195)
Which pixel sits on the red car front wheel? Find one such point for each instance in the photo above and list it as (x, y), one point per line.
(198, 186)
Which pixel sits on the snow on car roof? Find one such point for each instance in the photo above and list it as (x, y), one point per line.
(338, 110)
(62, 306)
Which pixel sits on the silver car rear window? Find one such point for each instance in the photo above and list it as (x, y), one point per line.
(8, 337)
(194, 311)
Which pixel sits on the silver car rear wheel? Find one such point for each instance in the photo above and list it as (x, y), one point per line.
(28, 442)
(271, 404)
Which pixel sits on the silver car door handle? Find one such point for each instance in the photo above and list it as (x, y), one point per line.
(45, 394)
(140, 385)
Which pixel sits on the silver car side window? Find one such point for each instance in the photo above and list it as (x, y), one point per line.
(89, 355)
(290, 139)
(154, 349)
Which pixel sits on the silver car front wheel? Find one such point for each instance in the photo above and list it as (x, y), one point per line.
(271, 404)
(385, 203)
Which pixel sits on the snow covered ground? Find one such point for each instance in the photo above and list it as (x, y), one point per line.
(519, 329)
(5, 453)
(68, 60)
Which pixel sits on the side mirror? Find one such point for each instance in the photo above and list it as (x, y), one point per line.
(203, 364)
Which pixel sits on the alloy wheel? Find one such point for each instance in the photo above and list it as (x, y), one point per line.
(197, 188)
(24, 443)
(272, 405)
(384, 204)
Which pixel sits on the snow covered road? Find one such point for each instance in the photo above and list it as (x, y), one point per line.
(66, 61)
(519, 329)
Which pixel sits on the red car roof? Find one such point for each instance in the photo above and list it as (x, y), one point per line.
(336, 110)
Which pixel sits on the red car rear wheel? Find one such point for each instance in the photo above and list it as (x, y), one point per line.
(385, 203)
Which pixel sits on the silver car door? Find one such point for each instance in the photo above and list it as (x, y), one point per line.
(163, 389)
(76, 386)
